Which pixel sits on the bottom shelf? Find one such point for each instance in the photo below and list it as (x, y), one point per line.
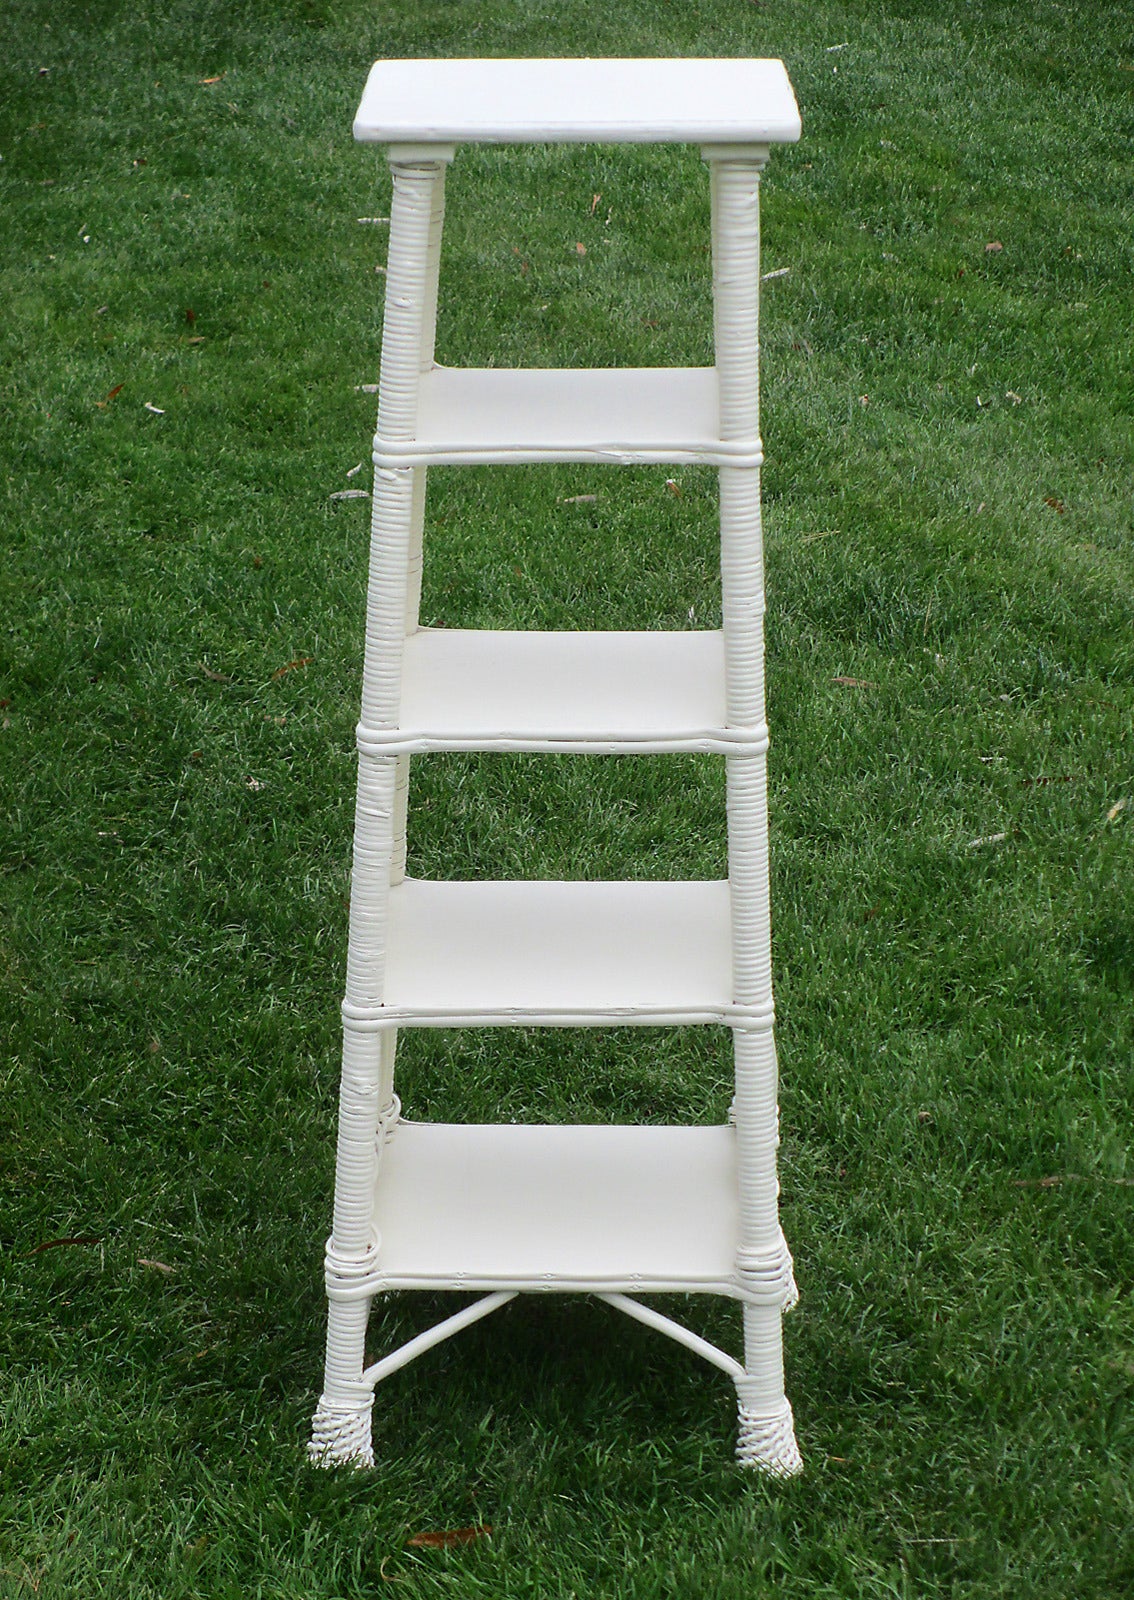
(635, 1209)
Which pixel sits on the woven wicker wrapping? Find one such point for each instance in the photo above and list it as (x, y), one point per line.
(765, 1439)
(341, 1428)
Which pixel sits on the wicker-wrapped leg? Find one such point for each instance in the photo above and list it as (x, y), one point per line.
(763, 1266)
(368, 1105)
(765, 1436)
(340, 1428)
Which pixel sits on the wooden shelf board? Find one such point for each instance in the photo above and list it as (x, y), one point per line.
(481, 689)
(618, 1208)
(604, 414)
(640, 100)
(557, 953)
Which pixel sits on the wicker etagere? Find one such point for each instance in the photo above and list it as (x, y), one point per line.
(613, 1211)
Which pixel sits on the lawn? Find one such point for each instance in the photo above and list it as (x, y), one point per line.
(190, 320)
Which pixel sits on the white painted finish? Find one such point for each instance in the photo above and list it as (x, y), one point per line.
(474, 689)
(641, 100)
(629, 1209)
(620, 415)
(608, 1210)
(548, 953)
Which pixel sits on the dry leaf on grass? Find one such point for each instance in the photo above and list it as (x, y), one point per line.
(102, 404)
(291, 666)
(993, 247)
(217, 79)
(57, 1244)
(158, 1266)
(1116, 809)
(213, 677)
(855, 683)
(991, 838)
(1055, 503)
(449, 1538)
(350, 494)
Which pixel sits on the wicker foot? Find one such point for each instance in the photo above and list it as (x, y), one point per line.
(768, 1443)
(340, 1435)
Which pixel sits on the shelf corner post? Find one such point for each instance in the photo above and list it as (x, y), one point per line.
(368, 1106)
(766, 1437)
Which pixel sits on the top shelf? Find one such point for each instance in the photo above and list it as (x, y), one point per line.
(639, 101)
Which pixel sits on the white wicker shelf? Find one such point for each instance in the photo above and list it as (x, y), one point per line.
(615, 1211)
(622, 415)
(546, 953)
(468, 689)
(558, 1208)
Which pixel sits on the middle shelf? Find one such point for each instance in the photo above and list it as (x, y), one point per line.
(624, 415)
(484, 689)
(538, 952)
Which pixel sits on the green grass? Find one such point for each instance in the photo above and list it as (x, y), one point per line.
(949, 433)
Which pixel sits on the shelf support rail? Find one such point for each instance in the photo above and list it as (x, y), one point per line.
(675, 1330)
(489, 1303)
(436, 1335)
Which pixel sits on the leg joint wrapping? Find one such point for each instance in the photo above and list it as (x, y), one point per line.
(768, 1276)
